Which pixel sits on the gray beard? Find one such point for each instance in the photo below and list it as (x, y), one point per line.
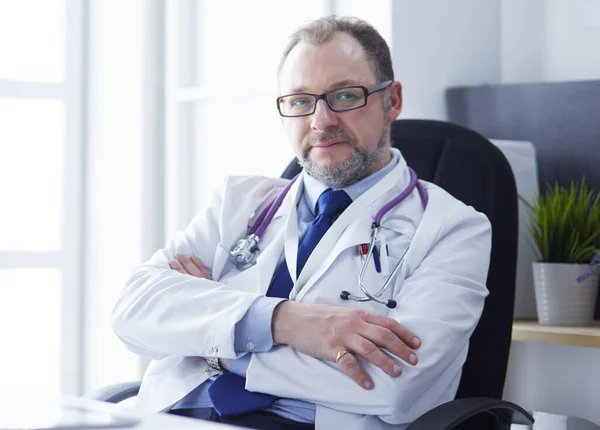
(356, 167)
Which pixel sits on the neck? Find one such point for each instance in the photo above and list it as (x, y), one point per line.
(383, 161)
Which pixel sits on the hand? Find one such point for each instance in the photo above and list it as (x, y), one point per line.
(189, 266)
(321, 331)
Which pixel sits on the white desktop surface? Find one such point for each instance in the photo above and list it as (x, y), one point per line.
(43, 411)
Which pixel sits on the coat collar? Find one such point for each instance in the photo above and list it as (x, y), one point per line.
(314, 188)
(357, 232)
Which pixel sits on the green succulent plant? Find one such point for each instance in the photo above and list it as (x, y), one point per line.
(566, 224)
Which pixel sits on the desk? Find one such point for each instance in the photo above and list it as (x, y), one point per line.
(38, 411)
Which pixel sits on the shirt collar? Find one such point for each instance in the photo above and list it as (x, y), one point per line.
(313, 188)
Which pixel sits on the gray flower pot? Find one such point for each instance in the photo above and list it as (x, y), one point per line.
(560, 299)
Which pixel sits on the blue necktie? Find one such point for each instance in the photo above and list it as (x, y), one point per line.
(228, 393)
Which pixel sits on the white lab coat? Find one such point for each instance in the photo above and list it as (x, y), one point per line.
(177, 319)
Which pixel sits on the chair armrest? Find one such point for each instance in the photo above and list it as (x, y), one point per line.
(450, 414)
(115, 393)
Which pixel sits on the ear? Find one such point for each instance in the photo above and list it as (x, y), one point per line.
(395, 98)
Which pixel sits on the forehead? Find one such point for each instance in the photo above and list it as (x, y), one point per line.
(318, 68)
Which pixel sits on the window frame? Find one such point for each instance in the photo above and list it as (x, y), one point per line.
(69, 258)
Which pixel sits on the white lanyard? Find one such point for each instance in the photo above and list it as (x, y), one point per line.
(328, 241)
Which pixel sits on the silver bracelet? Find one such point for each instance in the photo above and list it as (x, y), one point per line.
(213, 363)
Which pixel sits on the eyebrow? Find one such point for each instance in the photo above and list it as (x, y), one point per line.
(339, 84)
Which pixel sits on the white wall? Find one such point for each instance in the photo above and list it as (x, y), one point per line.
(544, 41)
(437, 44)
(550, 40)
(522, 29)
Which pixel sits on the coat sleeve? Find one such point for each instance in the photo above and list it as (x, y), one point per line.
(161, 312)
(441, 301)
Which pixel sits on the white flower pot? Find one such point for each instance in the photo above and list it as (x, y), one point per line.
(560, 299)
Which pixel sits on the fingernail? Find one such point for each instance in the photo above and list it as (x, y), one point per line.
(413, 358)
(368, 385)
(416, 341)
(397, 369)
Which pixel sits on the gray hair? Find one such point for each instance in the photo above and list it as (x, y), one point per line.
(321, 30)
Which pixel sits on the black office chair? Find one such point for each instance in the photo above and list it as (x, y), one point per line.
(474, 171)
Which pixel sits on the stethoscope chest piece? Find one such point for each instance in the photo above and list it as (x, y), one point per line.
(245, 251)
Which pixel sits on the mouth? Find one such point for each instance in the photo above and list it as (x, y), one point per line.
(329, 143)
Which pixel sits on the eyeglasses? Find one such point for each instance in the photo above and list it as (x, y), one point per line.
(340, 100)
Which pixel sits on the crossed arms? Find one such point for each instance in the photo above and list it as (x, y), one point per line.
(159, 314)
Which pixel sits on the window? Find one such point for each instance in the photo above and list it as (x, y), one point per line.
(40, 173)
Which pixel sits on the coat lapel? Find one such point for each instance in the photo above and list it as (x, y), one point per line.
(274, 237)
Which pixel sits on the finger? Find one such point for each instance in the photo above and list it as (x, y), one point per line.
(349, 365)
(381, 337)
(176, 265)
(407, 336)
(201, 266)
(374, 355)
(187, 264)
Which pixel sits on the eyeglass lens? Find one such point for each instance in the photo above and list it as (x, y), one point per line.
(339, 100)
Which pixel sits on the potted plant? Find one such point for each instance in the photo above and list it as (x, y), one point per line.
(566, 230)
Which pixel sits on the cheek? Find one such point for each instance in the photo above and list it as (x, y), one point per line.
(365, 125)
(354, 123)
(295, 130)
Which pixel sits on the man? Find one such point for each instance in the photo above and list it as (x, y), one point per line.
(228, 346)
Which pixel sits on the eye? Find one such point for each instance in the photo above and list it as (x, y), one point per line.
(299, 102)
(346, 96)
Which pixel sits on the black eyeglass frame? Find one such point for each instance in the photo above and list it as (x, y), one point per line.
(366, 91)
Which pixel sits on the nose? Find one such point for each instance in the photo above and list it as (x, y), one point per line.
(323, 117)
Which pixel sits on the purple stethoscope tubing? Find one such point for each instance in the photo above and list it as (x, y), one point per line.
(266, 216)
(390, 303)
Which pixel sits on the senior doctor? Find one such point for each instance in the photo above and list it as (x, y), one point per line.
(272, 344)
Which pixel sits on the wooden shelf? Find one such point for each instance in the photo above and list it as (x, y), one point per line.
(532, 331)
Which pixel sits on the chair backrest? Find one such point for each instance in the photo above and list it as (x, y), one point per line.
(474, 171)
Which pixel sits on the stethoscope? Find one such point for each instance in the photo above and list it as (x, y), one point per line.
(245, 250)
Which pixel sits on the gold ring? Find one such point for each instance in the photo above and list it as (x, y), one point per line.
(340, 354)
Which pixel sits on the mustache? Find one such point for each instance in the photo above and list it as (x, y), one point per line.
(336, 133)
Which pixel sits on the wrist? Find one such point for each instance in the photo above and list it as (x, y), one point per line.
(281, 322)
(223, 363)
